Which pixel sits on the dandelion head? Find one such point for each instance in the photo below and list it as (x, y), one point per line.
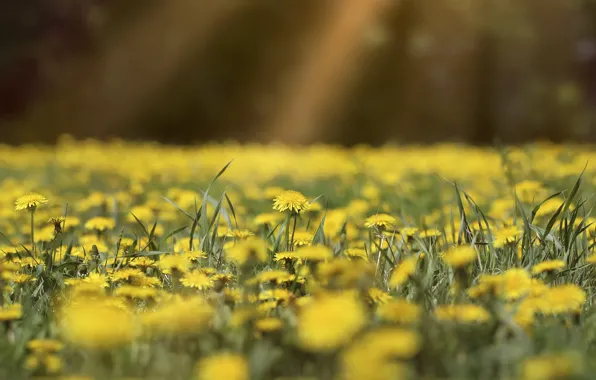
(290, 200)
(223, 366)
(330, 321)
(29, 201)
(460, 256)
(380, 221)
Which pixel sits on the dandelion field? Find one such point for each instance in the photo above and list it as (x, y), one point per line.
(143, 261)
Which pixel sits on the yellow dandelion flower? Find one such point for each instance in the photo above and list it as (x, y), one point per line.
(330, 321)
(100, 223)
(549, 367)
(11, 312)
(46, 234)
(136, 292)
(393, 342)
(143, 262)
(20, 278)
(147, 281)
(267, 307)
(249, 250)
(399, 310)
(464, 313)
(549, 207)
(239, 234)
(506, 235)
(96, 279)
(562, 299)
(285, 256)
(302, 238)
(314, 253)
(460, 256)
(380, 221)
(271, 218)
(356, 253)
(548, 266)
(125, 274)
(269, 324)
(290, 200)
(197, 280)
(378, 350)
(195, 255)
(275, 276)
(403, 271)
(178, 316)
(357, 361)
(172, 262)
(45, 345)
(97, 324)
(408, 232)
(514, 284)
(29, 201)
(430, 233)
(223, 366)
(377, 296)
(53, 364)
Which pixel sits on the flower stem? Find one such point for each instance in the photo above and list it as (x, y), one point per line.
(32, 212)
(287, 227)
(293, 232)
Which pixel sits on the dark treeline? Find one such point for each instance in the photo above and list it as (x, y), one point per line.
(476, 71)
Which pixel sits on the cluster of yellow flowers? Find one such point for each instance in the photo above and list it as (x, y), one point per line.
(129, 261)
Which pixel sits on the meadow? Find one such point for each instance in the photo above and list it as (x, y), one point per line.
(225, 261)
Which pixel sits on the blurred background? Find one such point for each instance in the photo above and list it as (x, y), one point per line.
(298, 71)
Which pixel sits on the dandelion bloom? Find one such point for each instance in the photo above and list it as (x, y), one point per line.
(275, 276)
(302, 238)
(464, 313)
(356, 253)
(178, 316)
(548, 367)
(381, 221)
(562, 299)
(252, 249)
(460, 256)
(223, 366)
(373, 355)
(377, 296)
(136, 292)
(393, 342)
(197, 280)
(97, 324)
(514, 284)
(506, 235)
(403, 271)
(29, 201)
(314, 253)
(45, 345)
(11, 312)
(548, 266)
(239, 234)
(269, 324)
(267, 218)
(399, 311)
(172, 262)
(290, 200)
(408, 232)
(100, 223)
(330, 321)
(49, 363)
